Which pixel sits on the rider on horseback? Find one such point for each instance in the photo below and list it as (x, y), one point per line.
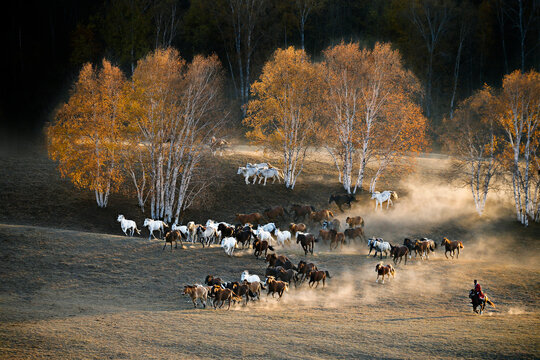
(478, 290)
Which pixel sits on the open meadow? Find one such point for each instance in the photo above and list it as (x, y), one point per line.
(73, 286)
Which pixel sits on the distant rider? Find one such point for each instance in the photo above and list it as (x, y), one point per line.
(478, 290)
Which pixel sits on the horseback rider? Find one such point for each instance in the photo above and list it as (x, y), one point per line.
(478, 290)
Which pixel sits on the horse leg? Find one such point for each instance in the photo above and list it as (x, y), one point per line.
(457, 256)
(164, 246)
(383, 278)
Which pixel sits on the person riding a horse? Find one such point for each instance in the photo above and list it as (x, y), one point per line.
(478, 290)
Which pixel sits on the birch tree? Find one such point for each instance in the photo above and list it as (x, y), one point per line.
(178, 114)
(477, 145)
(283, 113)
(85, 136)
(518, 114)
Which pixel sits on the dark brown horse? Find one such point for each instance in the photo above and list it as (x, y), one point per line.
(384, 270)
(287, 276)
(307, 241)
(221, 295)
(275, 286)
(274, 260)
(275, 213)
(477, 302)
(301, 211)
(452, 246)
(211, 280)
(398, 252)
(260, 247)
(317, 276)
(336, 238)
(341, 200)
(355, 233)
(305, 268)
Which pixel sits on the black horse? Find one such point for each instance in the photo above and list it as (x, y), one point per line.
(342, 199)
(477, 302)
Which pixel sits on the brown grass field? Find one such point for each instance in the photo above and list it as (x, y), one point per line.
(72, 286)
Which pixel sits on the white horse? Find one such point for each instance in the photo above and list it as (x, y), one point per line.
(127, 225)
(208, 234)
(154, 225)
(282, 237)
(250, 278)
(384, 196)
(380, 246)
(259, 165)
(270, 227)
(228, 244)
(182, 228)
(248, 172)
(263, 235)
(271, 173)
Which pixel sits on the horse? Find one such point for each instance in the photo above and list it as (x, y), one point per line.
(228, 244)
(384, 270)
(246, 276)
(355, 233)
(222, 295)
(334, 224)
(248, 172)
(206, 235)
(263, 235)
(270, 227)
(282, 237)
(261, 246)
(218, 144)
(384, 196)
(318, 216)
(154, 225)
(210, 280)
(275, 286)
(274, 260)
(398, 252)
(355, 221)
(379, 245)
(410, 245)
(253, 218)
(477, 302)
(305, 268)
(424, 247)
(126, 224)
(287, 275)
(225, 229)
(307, 241)
(276, 212)
(272, 173)
(452, 246)
(243, 236)
(196, 292)
(173, 236)
(294, 228)
(336, 238)
(301, 211)
(316, 276)
(343, 199)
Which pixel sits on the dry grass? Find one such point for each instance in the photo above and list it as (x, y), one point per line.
(76, 289)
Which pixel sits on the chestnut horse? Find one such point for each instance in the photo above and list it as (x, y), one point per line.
(276, 212)
(316, 276)
(173, 236)
(301, 211)
(451, 246)
(355, 221)
(382, 270)
(305, 268)
(294, 228)
(254, 218)
(318, 216)
(260, 247)
(336, 238)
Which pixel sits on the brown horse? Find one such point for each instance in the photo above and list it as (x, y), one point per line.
(336, 239)
(318, 216)
(221, 294)
(398, 252)
(325, 235)
(196, 292)
(241, 290)
(254, 218)
(307, 241)
(355, 221)
(294, 228)
(451, 246)
(355, 233)
(275, 213)
(305, 268)
(317, 276)
(260, 247)
(384, 270)
(173, 236)
(275, 286)
(287, 275)
(274, 260)
(301, 211)
(211, 280)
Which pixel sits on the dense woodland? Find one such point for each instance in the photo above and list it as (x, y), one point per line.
(454, 47)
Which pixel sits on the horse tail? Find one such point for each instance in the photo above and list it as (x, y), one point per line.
(461, 245)
(270, 247)
(137, 230)
(328, 274)
(489, 302)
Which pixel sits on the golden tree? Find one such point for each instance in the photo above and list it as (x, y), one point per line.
(87, 131)
(283, 113)
(372, 110)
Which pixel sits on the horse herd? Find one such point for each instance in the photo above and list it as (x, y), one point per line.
(253, 230)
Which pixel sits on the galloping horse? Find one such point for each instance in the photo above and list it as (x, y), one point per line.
(384, 196)
(452, 246)
(477, 302)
